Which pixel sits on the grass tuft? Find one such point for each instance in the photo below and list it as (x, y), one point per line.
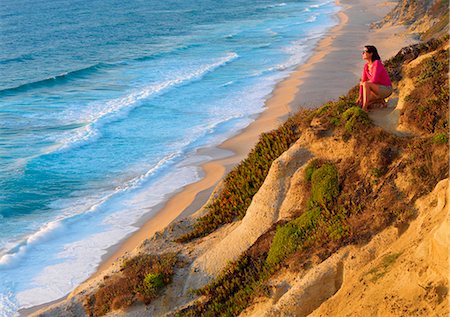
(354, 119)
(141, 279)
(440, 138)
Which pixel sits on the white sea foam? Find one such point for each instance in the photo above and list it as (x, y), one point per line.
(99, 113)
(311, 19)
(8, 308)
(78, 242)
(276, 5)
(45, 233)
(318, 5)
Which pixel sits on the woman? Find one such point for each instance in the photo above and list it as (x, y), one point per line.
(375, 84)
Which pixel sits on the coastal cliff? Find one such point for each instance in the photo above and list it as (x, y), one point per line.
(427, 19)
(334, 213)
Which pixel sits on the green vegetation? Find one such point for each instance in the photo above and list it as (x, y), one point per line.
(426, 107)
(293, 236)
(299, 232)
(380, 270)
(242, 183)
(440, 138)
(141, 279)
(309, 170)
(153, 282)
(325, 186)
(355, 118)
(231, 292)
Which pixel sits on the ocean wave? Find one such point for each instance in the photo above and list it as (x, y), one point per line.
(56, 80)
(7, 307)
(227, 83)
(18, 59)
(101, 113)
(46, 232)
(57, 228)
(318, 5)
(173, 51)
(275, 5)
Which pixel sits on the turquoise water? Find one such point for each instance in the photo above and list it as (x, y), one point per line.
(103, 106)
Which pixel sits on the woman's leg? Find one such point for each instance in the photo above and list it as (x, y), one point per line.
(374, 93)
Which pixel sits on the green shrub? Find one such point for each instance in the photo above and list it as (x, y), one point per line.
(337, 226)
(292, 236)
(354, 119)
(285, 242)
(140, 279)
(324, 185)
(335, 121)
(310, 168)
(324, 109)
(153, 282)
(440, 138)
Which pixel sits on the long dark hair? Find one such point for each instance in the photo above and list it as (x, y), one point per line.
(372, 49)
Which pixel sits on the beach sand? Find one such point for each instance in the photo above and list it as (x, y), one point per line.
(331, 71)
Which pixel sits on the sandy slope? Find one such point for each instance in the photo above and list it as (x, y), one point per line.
(396, 274)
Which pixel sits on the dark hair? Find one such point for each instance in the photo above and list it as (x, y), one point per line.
(372, 49)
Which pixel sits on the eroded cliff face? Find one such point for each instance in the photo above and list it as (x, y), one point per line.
(396, 273)
(427, 18)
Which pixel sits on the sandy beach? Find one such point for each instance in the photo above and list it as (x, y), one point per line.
(333, 68)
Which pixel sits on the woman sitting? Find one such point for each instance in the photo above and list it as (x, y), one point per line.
(375, 84)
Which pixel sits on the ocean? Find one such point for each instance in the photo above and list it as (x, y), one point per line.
(104, 105)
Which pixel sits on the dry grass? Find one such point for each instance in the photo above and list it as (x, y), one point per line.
(141, 279)
(426, 107)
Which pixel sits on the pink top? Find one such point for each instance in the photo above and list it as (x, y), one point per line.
(378, 75)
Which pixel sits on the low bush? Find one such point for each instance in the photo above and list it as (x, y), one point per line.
(141, 279)
(231, 292)
(426, 107)
(354, 119)
(324, 186)
(440, 138)
(293, 235)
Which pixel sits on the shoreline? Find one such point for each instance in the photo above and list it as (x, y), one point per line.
(300, 87)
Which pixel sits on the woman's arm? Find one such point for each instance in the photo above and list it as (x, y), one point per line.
(377, 69)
